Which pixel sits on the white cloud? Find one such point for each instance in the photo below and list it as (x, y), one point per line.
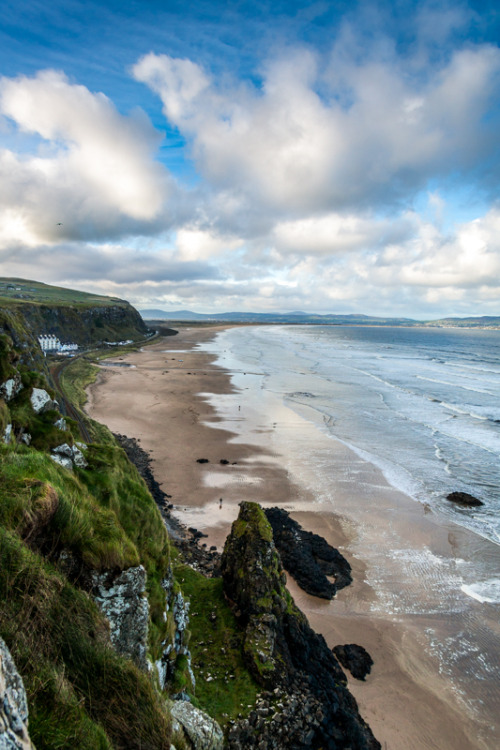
(94, 170)
(195, 244)
(379, 132)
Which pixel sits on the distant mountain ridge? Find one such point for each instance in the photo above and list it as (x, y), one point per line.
(289, 317)
(298, 317)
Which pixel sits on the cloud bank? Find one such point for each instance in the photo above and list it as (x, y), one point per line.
(329, 180)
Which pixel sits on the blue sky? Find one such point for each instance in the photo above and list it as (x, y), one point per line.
(330, 157)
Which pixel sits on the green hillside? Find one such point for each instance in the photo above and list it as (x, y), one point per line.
(84, 319)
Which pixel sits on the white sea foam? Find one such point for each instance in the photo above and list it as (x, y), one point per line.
(484, 591)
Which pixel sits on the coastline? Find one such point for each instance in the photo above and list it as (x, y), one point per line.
(158, 402)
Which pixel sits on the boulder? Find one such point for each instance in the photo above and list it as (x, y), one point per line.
(354, 658)
(463, 498)
(13, 705)
(202, 731)
(121, 599)
(69, 456)
(61, 424)
(63, 461)
(41, 401)
(308, 557)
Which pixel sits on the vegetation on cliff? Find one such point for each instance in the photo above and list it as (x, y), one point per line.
(57, 529)
(29, 308)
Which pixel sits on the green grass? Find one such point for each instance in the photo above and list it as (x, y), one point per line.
(40, 499)
(104, 516)
(216, 649)
(81, 694)
(75, 378)
(37, 292)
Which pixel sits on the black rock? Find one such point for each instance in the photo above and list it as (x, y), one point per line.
(463, 498)
(315, 709)
(224, 461)
(308, 557)
(202, 461)
(354, 658)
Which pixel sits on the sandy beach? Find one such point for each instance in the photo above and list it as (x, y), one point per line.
(158, 399)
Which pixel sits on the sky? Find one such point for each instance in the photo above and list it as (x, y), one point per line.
(331, 157)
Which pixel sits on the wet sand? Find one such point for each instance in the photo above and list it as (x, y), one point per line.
(406, 701)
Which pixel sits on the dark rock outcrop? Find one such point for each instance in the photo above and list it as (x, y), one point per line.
(463, 498)
(354, 658)
(284, 653)
(308, 557)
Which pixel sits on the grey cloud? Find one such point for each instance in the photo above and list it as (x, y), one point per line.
(120, 265)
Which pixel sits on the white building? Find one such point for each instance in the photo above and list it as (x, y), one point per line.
(50, 343)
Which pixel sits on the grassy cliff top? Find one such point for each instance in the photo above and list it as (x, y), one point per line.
(19, 291)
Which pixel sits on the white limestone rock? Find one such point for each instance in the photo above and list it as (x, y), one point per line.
(13, 705)
(202, 731)
(10, 388)
(63, 461)
(41, 401)
(63, 450)
(122, 601)
(165, 665)
(69, 456)
(79, 458)
(61, 424)
(7, 435)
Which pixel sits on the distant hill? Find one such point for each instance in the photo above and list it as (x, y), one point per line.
(485, 321)
(291, 317)
(298, 317)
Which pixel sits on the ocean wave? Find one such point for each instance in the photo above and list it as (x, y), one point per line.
(454, 385)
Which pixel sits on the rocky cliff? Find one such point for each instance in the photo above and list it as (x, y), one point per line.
(84, 326)
(29, 309)
(315, 709)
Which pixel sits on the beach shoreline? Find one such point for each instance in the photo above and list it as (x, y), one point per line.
(159, 402)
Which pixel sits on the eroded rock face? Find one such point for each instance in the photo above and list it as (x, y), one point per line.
(202, 731)
(121, 599)
(179, 609)
(13, 705)
(283, 652)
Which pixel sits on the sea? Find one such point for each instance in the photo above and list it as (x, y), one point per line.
(422, 406)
